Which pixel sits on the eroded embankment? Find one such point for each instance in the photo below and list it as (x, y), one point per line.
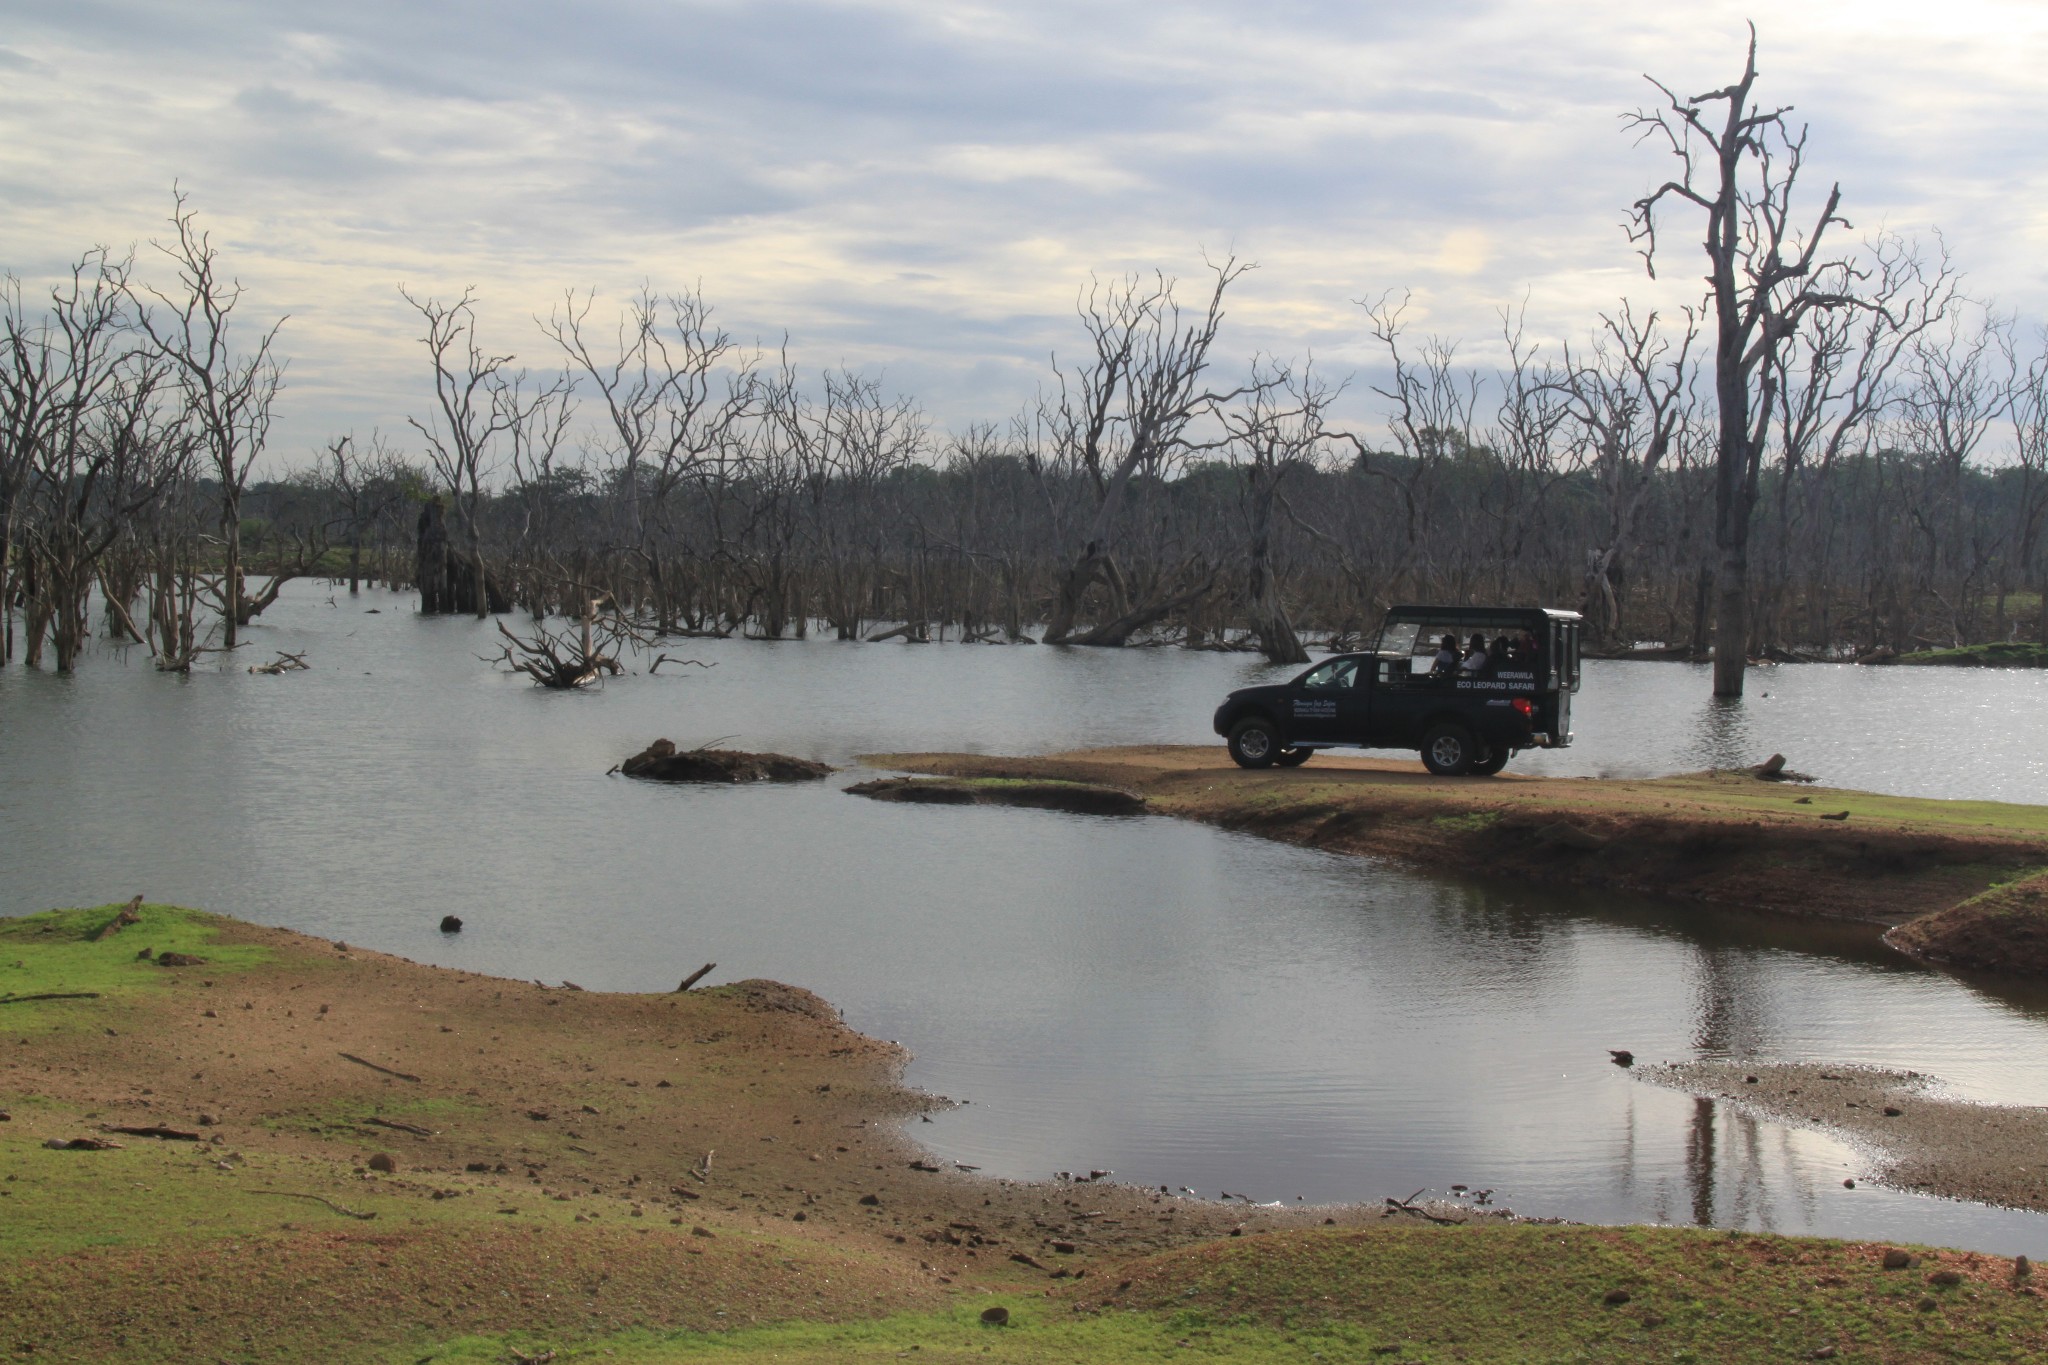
(1726, 838)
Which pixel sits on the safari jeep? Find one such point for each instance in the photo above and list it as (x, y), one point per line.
(1465, 717)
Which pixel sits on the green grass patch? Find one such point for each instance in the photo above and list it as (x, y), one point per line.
(55, 952)
(1493, 1294)
(1469, 823)
(149, 1193)
(2001, 654)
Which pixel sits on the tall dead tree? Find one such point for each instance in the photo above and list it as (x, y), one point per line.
(1740, 166)
(1275, 430)
(1629, 397)
(479, 406)
(1129, 410)
(228, 392)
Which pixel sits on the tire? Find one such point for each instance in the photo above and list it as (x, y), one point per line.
(1254, 743)
(1449, 750)
(1291, 758)
(1496, 759)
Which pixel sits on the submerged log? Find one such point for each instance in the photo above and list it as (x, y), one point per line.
(661, 761)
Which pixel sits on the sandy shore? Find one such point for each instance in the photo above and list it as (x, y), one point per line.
(1918, 1138)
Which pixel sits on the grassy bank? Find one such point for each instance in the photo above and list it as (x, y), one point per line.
(1728, 838)
(335, 1155)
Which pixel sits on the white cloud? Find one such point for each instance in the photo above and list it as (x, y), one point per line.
(926, 186)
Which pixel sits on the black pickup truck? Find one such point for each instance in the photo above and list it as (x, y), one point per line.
(1462, 718)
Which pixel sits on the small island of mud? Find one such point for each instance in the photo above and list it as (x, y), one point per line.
(1080, 798)
(661, 761)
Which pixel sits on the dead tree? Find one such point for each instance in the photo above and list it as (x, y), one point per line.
(1276, 429)
(1629, 397)
(478, 404)
(1740, 168)
(228, 394)
(1128, 410)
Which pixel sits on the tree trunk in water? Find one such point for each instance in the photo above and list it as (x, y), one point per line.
(1731, 622)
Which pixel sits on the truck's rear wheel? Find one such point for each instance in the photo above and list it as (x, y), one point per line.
(1449, 750)
(1496, 759)
(1254, 743)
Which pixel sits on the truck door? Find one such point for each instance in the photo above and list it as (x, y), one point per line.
(1328, 705)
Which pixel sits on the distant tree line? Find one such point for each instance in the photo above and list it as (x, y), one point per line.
(1831, 454)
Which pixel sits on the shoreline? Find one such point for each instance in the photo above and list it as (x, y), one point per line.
(300, 1148)
(1721, 838)
(1920, 1140)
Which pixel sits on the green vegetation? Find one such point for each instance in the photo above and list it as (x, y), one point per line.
(1475, 1294)
(2003, 654)
(1469, 822)
(56, 952)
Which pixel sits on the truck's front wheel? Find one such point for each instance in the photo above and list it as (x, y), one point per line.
(1291, 758)
(1254, 743)
(1449, 750)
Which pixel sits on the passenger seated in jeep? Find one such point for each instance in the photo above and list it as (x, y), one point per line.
(1446, 657)
(1475, 657)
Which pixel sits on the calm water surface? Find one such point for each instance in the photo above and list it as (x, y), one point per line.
(1178, 1004)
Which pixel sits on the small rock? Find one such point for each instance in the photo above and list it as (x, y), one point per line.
(1821, 1353)
(701, 1231)
(1848, 1184)
(871, 1200)
(1614, 1298)
(1927, 1305)
(2021, 1267)
(179, 960)
(1749, 1080)
(451, 924)
(1892, 1111)
(1946, 1279)
(1064, 1248)
(998, 1316)
(1622, 1056)
(1895, 1259)
(382, 1162)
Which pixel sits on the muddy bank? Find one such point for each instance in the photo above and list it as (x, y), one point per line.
(1918, 1139)
(2003, 930)
(1080, 798)
(357, 1149)
(661, 761)
(1725, 838)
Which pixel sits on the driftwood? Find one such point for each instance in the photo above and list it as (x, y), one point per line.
(401, 1127)
(155, 1130)
(49, 995)
(283, 663)
(661, 761)
(1408, 1206)
(552, 661)
(694, 977)
(911, 632)
(401, 1075)
(81, 1145)
(318, 1199)
(121, 921)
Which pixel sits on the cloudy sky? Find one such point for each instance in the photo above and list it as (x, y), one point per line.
(921, 188)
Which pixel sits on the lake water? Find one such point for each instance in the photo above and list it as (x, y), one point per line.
(1177, 1004)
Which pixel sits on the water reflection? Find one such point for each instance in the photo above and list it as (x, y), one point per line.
(1722, 736)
